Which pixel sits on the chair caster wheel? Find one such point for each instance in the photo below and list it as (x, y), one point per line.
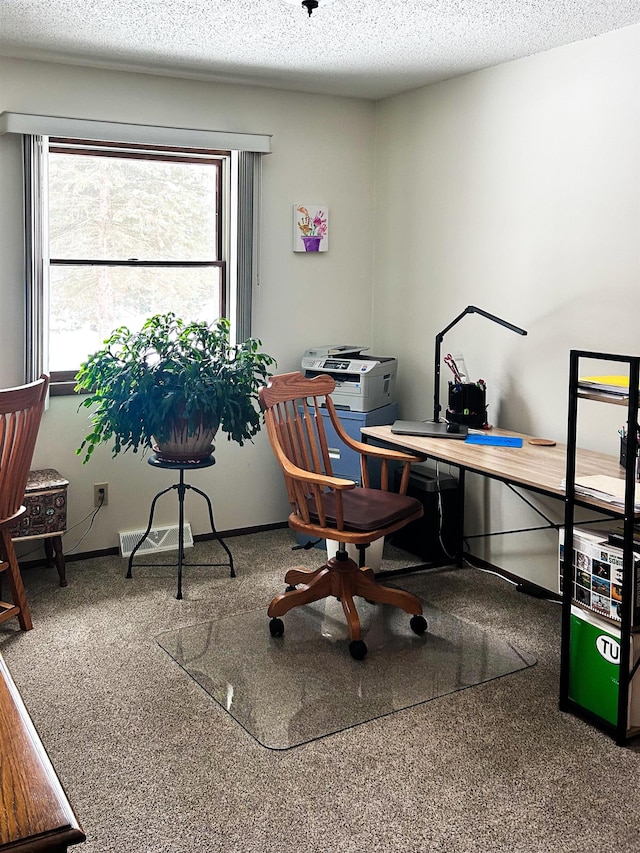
(291, 588)
(276, 627)
(418, 624)
(357, 649)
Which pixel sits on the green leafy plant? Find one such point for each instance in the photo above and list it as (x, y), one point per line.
(171, 376)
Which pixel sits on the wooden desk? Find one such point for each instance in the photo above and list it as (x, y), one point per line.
(536, 468)
(35, 815)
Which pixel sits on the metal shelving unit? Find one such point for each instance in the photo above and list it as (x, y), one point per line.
(620, 729)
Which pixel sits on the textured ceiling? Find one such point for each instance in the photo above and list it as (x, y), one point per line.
(363, 48)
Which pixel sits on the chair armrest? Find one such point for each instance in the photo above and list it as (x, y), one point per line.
(303, 485)
(391, 455)
(301, 475)
(385, 455)
(385, 452)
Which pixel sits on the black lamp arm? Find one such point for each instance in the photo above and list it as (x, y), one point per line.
(470, 309)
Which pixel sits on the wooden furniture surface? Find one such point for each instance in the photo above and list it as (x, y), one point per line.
(35, 815)
(538, 468)
(326, 506)
(20, 414)
(292, 405)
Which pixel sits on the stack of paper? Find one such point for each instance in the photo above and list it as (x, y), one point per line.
(618, 386)
(603, 488)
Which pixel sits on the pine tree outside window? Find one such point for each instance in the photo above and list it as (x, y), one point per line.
(132, 232)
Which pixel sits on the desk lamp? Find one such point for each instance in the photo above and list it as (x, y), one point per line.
(439, 427)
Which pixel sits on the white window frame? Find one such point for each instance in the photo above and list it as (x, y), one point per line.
(64, 380)
(246, 164)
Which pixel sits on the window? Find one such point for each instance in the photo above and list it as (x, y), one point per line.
(200, 246)
(132, 231)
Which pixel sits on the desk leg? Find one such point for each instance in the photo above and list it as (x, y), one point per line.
(460, 519)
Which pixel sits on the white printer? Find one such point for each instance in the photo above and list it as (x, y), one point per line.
(363, 382)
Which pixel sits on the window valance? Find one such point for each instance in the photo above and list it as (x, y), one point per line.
(180, 137)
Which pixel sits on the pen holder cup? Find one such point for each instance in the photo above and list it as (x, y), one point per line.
(623, 455)
(467, 404)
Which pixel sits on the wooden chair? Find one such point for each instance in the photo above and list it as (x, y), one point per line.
(20, 414)
(328, 507)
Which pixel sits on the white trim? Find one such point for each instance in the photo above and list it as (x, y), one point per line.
(36, 258)
(108, 131)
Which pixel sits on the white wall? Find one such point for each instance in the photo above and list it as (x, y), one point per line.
(322, 153)
(516, 189)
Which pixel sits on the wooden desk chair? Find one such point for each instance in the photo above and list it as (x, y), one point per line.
(328, 507)
(20, 414)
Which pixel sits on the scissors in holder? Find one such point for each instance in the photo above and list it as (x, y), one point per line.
(448, 360)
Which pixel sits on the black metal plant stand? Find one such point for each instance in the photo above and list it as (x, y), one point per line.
(181, 487)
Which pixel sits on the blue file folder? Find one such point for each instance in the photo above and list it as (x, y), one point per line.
(496, 440)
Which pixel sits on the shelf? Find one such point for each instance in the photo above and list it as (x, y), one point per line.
(599, 651)
(601, 397)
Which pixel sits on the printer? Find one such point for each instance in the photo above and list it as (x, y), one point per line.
(363, 382)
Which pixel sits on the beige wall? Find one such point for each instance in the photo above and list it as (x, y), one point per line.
(516, 189)
(322, 153)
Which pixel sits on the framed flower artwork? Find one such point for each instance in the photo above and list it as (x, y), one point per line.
(310, 228)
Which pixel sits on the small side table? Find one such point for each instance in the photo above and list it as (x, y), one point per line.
(45, 516)
(181, 487)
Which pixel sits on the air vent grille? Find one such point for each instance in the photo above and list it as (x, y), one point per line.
(159, 539)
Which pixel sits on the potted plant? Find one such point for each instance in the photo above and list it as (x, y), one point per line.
(171, 386)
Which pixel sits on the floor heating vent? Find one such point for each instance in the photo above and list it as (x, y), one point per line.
(159, 539)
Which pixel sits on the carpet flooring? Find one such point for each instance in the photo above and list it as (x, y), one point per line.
(151, 764)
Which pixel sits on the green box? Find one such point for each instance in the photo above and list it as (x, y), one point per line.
(594, 667)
